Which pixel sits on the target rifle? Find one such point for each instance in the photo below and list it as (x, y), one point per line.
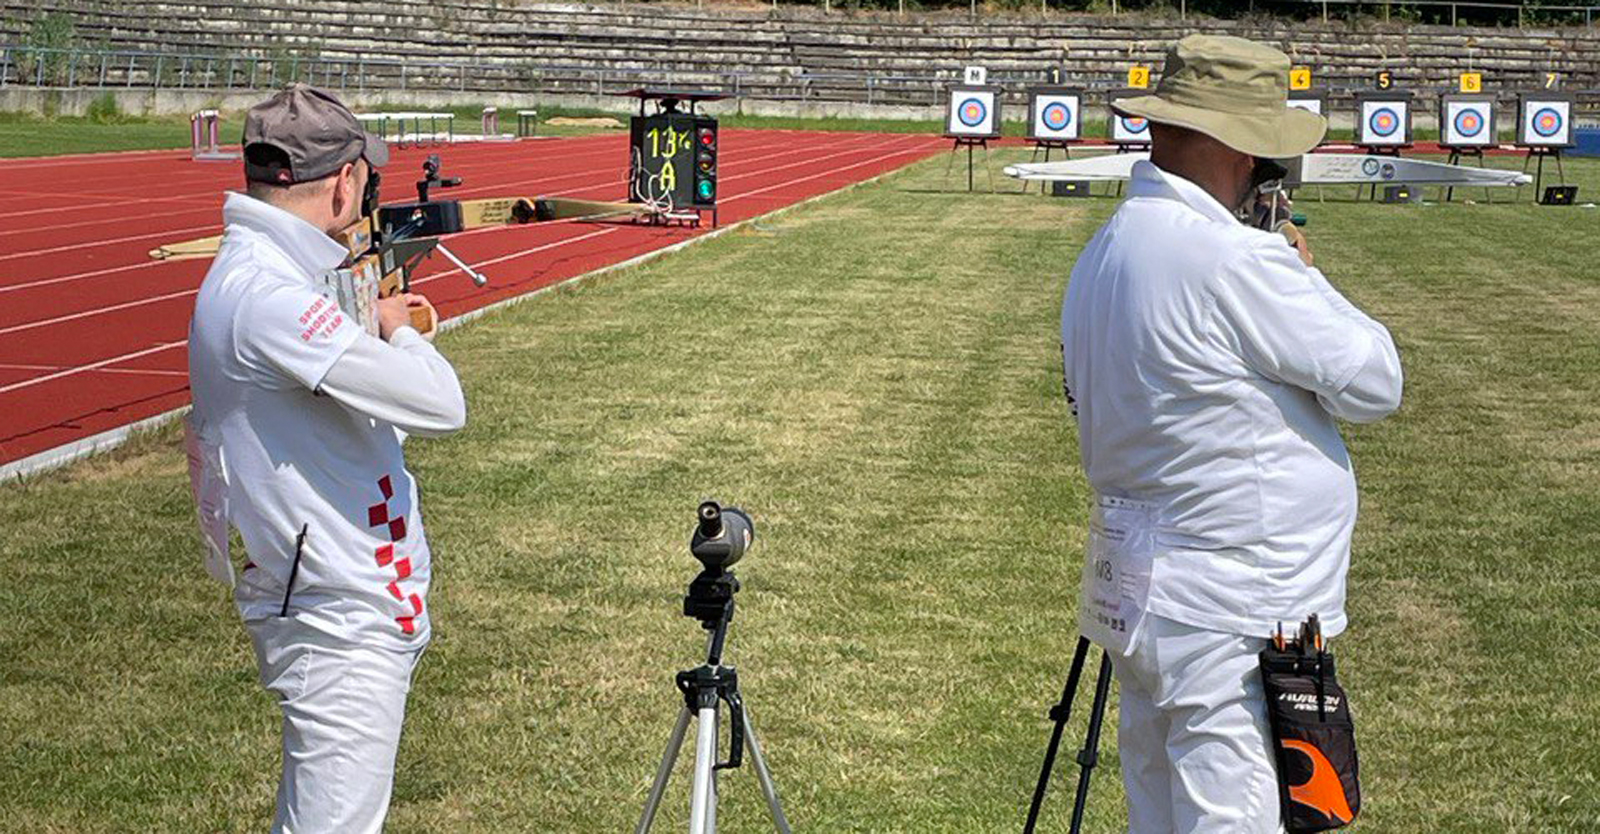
(388, 243)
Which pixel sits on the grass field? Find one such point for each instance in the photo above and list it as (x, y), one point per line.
(876, 378)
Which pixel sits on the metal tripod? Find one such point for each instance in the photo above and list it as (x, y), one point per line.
(704, 688)
(1089, 755)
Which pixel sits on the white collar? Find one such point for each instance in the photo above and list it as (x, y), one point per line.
(306, 245)
(1149, 180)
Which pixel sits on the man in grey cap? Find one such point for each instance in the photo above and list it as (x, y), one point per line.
(1207, 362)
(295, 440)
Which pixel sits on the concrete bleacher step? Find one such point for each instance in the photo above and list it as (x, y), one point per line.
(788, 52)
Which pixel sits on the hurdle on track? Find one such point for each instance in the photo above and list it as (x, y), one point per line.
(416, 136)
(491, 126)
(203, 144)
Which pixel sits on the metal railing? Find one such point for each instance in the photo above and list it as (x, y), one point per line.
(44, 67)
(1522, 11)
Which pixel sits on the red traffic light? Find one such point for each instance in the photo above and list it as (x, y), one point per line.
(708, 137)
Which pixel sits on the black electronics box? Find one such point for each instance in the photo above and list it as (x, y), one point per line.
(1069, 188)
(433, 218)
(1560, 195)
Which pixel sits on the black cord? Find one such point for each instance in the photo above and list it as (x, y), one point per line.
(294, 569)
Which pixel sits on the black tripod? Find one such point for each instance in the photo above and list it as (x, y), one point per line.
(719, 542)
(1089, 755)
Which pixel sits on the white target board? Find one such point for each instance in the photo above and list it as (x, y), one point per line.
(1054, 114)
(1311, 103)
(1466, 122)
(974, 113)
(1128, 130)
(1544, 121)
(1384, 122)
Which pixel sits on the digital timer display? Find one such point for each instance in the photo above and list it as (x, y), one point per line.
(674, 160)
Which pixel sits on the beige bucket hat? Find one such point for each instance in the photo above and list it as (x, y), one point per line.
(1233, 90)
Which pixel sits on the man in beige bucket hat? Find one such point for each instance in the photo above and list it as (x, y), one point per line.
(295, 441)
(1207, 363)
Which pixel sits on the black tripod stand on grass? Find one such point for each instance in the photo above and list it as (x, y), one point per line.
(719, 540)
(1089, 754)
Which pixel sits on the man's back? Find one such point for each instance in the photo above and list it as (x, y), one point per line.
(1196, 349)
(261, 340)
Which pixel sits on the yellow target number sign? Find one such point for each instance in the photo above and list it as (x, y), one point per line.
(1472, 82)
(1139, 77)
(1300, 78)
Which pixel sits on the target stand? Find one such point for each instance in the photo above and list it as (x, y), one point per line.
(1541, 154)
(972, 118)
(969, 142)
(1544, 130)
(1376, 150)
(1466, 129)
(1047, 145)
(1456, 155)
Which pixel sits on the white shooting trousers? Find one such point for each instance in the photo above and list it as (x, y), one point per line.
(1193, 733)
(343, 707)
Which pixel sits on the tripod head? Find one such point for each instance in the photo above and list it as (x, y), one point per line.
(720, 539)
(431, 179)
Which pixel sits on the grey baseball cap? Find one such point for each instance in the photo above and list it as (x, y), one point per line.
(314, 131)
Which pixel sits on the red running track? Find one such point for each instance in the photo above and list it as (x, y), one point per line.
(93, 332)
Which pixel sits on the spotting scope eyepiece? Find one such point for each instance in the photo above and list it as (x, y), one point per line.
(722, 535)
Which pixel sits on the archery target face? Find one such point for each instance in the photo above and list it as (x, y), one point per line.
(1383, 123)
(1055, 116)
(1129, 130)
(972, 113)
(1546, 123)
(1468, 123)
(1312, 104)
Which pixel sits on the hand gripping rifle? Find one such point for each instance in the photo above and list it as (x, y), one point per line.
(387, 244)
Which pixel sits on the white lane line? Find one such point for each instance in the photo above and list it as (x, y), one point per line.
(92, 366)
(454, 195)
(139, 302)
(43, 282)
(475, 265)
(108, 241)
(13, 366)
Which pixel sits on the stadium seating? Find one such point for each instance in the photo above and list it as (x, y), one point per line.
(790, 53)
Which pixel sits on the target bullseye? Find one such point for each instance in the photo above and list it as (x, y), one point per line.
(1469, 123)
(1384, 121)
(1547, 122)
(1056, 116)
(972, 112)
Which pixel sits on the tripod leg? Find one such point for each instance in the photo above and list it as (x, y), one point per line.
(1059, 714)
(768, 789)
(668, 759)
(703, 806)
(1089, 756)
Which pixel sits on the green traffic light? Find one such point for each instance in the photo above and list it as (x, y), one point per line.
(707, 188)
